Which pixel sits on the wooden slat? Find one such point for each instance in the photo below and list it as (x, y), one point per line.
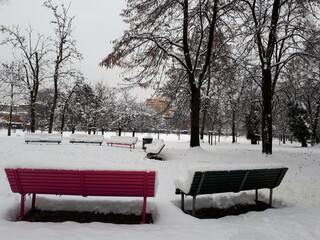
(233, 181)
(74, 182)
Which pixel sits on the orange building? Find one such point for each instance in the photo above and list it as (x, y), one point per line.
(159, 105)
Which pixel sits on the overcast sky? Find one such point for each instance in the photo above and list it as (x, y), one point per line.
(96, 23)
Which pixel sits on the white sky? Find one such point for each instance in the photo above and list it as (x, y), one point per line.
(96, 24)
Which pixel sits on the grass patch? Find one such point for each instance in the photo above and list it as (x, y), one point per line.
(207, 213)
(84, 217)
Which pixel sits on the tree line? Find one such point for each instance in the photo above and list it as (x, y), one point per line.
(43, 77)
(221, 60)
(239, 67)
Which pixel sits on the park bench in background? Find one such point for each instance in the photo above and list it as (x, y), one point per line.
(122, 140)
(86, 138)
(153, 149)
(83, 183)
(42, 137)
(221, 181)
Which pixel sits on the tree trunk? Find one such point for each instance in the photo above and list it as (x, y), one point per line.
(205, 106)
(10, 121)
(204, 115)
(10, 114)
(304, 142)
(32, 117)
(63, 118)
(315, 124)
(266, 119)
(234, 140)
(195, 116)
(54, 100)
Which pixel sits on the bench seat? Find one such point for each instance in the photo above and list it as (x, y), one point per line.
(42, 137)
(222, 181)
(122, 140)
(86, 138)
(82, 183)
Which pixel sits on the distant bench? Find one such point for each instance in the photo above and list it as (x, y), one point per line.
(83, 183)
(220, 181)
(122, 140)
(42, 137)
(86, 138)
(153, 149)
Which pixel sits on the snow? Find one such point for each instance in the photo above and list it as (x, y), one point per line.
(122, 140)
(42, 137)
(296, 201)
(155, 146)
(86, 138)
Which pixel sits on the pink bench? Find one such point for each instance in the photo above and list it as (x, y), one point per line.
(122, 140)
(83, 183)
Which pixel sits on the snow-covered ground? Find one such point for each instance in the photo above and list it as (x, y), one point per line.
(297, 200)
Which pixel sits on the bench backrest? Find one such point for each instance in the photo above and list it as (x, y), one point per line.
(85, 182)
(235, 180)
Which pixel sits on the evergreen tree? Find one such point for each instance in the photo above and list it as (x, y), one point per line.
(252, 123)
(298, 124)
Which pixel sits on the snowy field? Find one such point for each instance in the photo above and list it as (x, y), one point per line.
(296, 215)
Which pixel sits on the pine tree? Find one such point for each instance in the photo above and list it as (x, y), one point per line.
(298, 124)
(252, 123)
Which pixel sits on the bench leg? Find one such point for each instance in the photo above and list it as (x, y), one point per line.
(33, 206)
(270, 198)
(144, 210)
(194, 206)
(22, 207)
(182, 201)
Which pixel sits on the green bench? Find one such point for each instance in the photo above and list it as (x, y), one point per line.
(221, 181)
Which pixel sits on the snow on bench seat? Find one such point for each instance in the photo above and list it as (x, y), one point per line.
(154, 148)
(42, 137)
(122, 140)
(86, 138)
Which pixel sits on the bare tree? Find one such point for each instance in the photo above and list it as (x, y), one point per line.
(10, 76)
(179, 32)
(3, 1)
(33, 60)
(65, 50)
(277, 30)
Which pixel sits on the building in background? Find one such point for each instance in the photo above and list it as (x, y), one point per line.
(159, 105)
(19, 116)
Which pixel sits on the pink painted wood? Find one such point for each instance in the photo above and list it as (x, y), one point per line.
(123, 144)
(84, 183)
